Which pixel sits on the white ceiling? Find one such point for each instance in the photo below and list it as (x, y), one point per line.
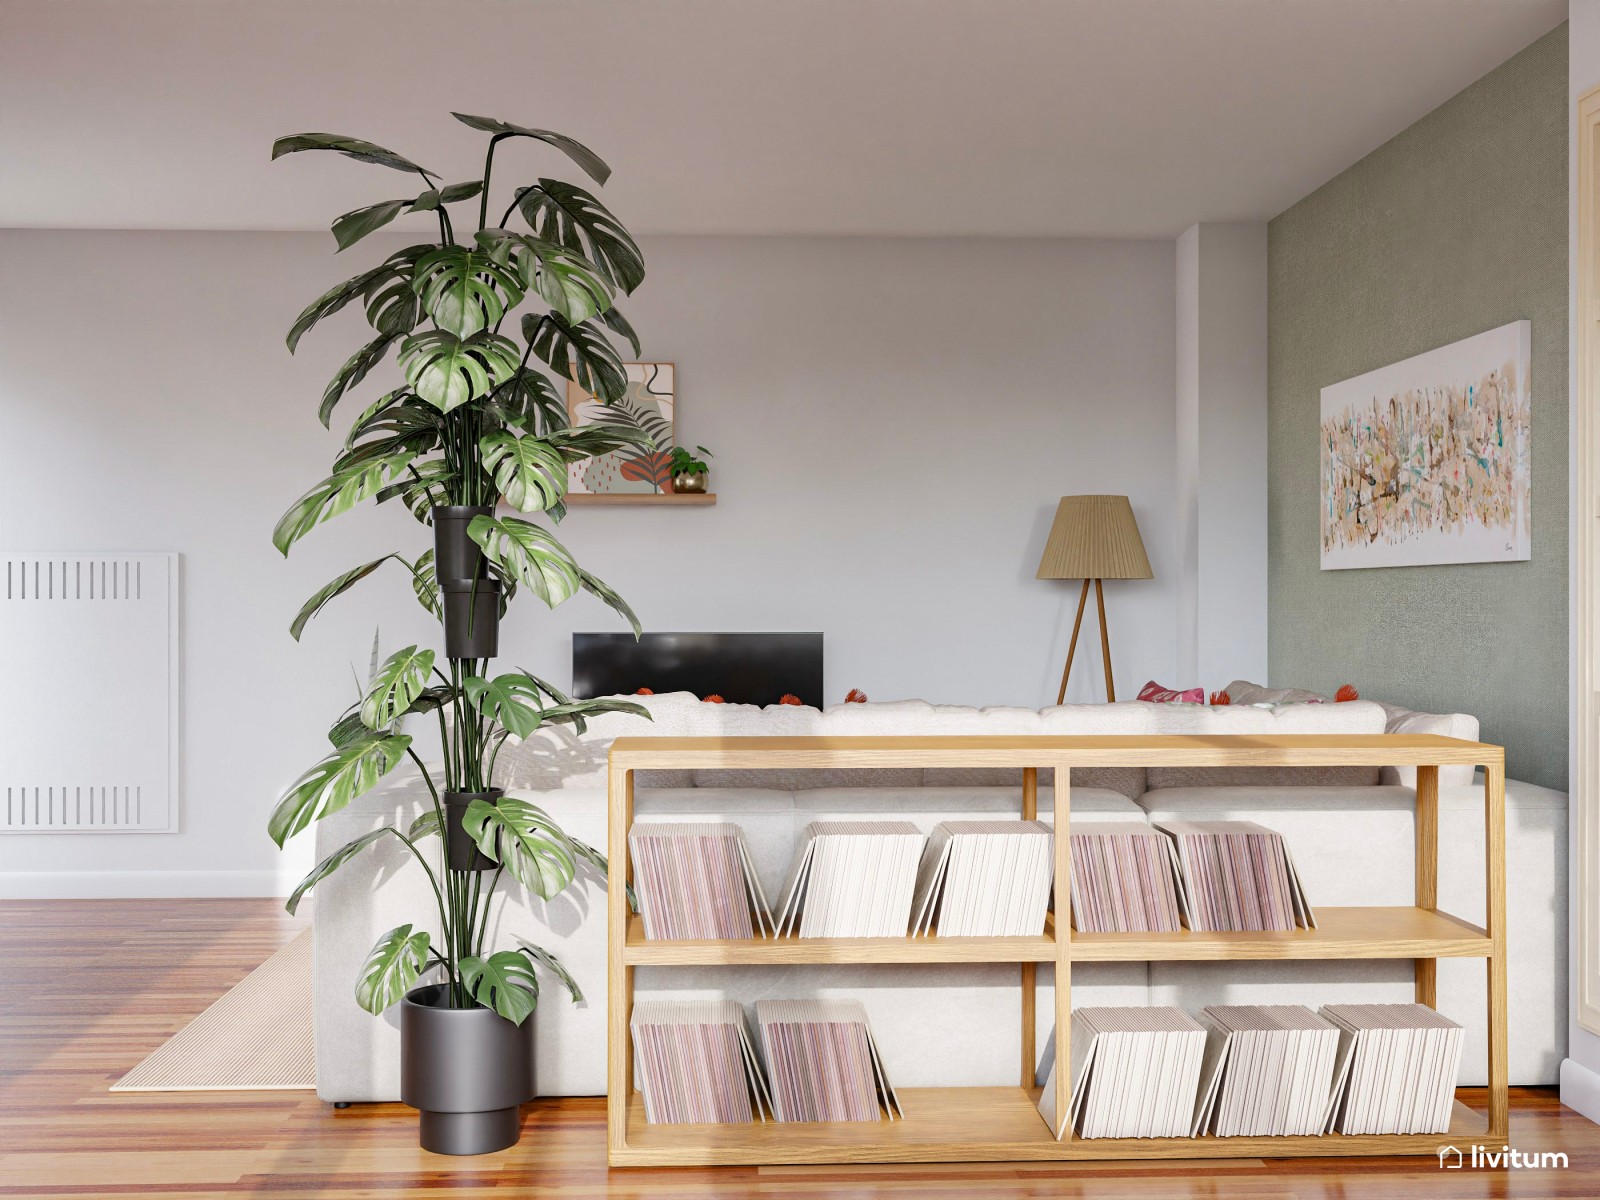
(1004, 117)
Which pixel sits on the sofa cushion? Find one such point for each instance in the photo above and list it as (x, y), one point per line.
(1455, 725)
(1242, 691)
(1354, 717)
(1126, 781)
(930, 805)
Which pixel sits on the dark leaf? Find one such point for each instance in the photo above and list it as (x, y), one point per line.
(332, 863)
(572, 217)
(335, 587)
(425, 583)
(336, 494)
(591, 441)
(618, 324)
(335, 781)
(434, 197)
(576, 151)
(352, 147)
(393, 307)
(550, 963)
(577, 352)
(530, 402)
(595, 587)
(346, 730)
(357, 223)
(564, 279)
(353, 372)
(333, 300)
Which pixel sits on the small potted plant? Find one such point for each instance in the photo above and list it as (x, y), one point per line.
(688, 472)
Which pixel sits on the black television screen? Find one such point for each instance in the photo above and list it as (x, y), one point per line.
(742, 668)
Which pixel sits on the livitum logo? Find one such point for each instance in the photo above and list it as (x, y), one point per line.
(1475, 1157)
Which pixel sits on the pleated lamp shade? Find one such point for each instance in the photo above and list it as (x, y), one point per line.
(1094, 537)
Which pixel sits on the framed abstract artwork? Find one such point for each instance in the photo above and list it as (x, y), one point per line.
(1427, 460)
(649, 405)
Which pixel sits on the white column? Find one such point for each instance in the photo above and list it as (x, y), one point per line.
(1222, 454)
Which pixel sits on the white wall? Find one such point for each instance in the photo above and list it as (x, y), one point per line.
(1580, 1073)
(893, 422)
(1222, 453)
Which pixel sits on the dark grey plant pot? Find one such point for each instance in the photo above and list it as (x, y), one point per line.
(471, 617)
(464, 854)
(465, 1070)
(455, 555)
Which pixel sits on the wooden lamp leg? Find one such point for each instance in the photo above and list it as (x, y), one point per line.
(1083, 599)
(1105, 640)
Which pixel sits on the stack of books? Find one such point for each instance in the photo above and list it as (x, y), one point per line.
(852, 879)
(1269, 1070)
(984, 879)
(1399, 1063)
(697, 881)
(1124, 879)
(1238, 876)
(696, 1063)
(1135, 1072)
(823, 1062)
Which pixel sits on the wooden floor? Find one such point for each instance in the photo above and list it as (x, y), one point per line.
(82, 1000)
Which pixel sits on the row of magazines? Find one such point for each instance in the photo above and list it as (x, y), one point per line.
(1137, 1072)
(1257, 1070)
(994, 878)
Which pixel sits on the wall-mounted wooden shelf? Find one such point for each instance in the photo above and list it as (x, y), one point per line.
(999, 1124)
(686, 499)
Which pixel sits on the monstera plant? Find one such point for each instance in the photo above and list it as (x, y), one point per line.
(480, 418)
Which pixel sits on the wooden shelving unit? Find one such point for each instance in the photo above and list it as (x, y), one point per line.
(603, 499)
(1003, 1124)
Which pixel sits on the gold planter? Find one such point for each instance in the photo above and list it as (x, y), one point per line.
(688, 483)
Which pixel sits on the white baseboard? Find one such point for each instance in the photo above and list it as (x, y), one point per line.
(1580, 1089)
(145, 885)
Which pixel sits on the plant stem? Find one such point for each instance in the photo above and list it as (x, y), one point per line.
(488, 168)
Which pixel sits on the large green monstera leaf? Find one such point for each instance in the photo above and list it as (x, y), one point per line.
(448, 371)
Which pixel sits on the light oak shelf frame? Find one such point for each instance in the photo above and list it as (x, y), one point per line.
(1003, 1124)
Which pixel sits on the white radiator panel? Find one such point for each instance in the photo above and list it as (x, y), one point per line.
(89, 694)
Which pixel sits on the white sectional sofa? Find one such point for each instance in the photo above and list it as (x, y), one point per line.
(1350, 830)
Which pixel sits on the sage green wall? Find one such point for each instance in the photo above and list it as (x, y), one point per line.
(1456, 226)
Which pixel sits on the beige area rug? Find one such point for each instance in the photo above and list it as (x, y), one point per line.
(256, 1038)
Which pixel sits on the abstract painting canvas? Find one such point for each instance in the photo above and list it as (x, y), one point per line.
(648, 405)
(1427, 460)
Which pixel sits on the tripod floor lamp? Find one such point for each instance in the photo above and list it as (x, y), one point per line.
(1093, 538)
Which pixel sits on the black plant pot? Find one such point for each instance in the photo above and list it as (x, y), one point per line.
(471, 617)
(455, 555)
(465, 1070)
(464, 854)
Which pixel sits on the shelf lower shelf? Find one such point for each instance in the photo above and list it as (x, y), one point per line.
(996, 1124)
(1359, 933)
